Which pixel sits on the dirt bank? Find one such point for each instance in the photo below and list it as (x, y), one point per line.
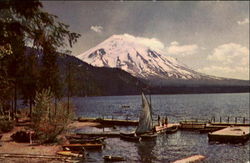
(7, 145)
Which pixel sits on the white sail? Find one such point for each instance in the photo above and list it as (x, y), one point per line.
(145, 121)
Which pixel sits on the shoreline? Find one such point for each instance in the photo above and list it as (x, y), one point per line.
(8, 146)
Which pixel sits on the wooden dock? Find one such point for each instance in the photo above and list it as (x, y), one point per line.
(229, 124)
(159, 129)
(117, 122)
(192, 125)
(234, 134)
(163, 129)
(207, 126)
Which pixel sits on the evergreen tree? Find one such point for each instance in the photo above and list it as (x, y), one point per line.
(26, 23)
(30, 80)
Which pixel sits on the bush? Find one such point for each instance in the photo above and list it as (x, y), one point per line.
(48, 120)
(6, 125)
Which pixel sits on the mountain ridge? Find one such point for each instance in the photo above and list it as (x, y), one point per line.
(141, 61)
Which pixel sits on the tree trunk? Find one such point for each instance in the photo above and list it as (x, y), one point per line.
(55, 105)
(30, 107)
(15, 99)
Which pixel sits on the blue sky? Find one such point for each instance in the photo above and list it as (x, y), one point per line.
(211, 37)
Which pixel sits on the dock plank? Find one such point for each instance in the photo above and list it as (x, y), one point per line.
(235, 131)
(191, 159)
(161, 129)
(232, 134)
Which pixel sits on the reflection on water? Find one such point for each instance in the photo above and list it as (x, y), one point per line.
(171, 147)
(168, 148)
(145, 150)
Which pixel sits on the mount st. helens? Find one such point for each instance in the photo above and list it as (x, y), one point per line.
(141, 61)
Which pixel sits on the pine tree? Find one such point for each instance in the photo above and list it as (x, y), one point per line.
(26, 23)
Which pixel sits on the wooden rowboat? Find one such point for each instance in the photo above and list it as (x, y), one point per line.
(113, 158)
(82, 141)
(95, 140)
(70, 154)
(130, 137)
(77, 147)
(172, 130)
(147, 136)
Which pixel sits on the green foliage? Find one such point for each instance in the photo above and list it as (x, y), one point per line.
(6, 125)
(30, 79)
(5, 50)
(49, 121)
(27, 24)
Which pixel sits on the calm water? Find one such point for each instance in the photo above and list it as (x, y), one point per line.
(167, 148)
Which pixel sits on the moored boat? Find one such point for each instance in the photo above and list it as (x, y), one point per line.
(125, 106)
(130, 137)
(145, 126)
(77, 147)
(172, 129)
(70, 153)
(93, 140)
(147, 136)
(113, 158)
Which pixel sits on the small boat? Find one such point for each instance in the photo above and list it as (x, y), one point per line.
(70, 153)
(113, 158)
(172, 129)
(145, 126)
(94, 140)
(83, 141)
(125, 106)
(130, 137)
(77, 147)
(147, 136)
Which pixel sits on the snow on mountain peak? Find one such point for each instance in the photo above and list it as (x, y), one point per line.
(138, 56)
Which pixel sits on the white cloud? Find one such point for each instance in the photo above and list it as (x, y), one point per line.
(176, 49)
(96, 28)
(229, 60)
(238, 72)
(174, 43)
(153, 43)
(230, 53)
(242, 22)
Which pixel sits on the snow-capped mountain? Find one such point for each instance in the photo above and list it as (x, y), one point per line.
(137, 59)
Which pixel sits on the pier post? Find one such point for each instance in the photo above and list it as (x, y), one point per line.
(227, 119)
(244, 120)
(220, 119)
(235, 120)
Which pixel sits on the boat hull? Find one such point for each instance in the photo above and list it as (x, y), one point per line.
(77, 147)
(70, 154)
(130, 137)
(113, 158)
(148, 136)
(172, 130)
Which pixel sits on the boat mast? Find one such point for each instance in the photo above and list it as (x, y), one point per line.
(151, 114)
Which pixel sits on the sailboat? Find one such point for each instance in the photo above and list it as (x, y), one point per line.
(145, 128)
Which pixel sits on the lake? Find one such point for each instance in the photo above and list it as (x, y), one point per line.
(167, 148)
